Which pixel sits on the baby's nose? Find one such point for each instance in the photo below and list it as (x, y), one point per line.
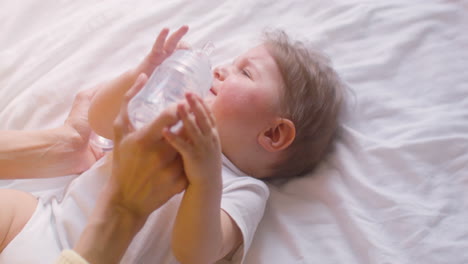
(220, 73)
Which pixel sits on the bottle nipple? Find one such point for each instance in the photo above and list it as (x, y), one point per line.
(208, 48)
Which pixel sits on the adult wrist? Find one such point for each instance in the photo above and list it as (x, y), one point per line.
(74, 148)
(110, 205)
(109, 232)
(70, 138)
(144, 67)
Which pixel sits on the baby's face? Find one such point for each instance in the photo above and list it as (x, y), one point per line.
(244, 97)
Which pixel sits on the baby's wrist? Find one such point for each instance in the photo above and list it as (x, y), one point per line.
(213, 184)
(143, 67)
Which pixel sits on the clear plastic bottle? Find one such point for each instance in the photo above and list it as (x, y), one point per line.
(100, 143)
(184, 71)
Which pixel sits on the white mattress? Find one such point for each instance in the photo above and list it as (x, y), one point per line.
(395, 190)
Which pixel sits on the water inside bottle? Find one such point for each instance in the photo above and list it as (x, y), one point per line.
(147, 107)
(144, 112)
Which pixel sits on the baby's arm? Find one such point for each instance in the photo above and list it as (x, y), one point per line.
(106, 104)
(203, 232)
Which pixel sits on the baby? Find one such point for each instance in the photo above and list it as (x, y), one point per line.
(271, 113)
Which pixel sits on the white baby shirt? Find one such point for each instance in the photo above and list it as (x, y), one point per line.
(243, 198)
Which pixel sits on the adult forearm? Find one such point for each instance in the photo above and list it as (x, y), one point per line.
(39, 153)
(197, 235)
(109, 232)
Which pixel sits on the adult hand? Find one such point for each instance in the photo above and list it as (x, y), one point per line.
(78, 126)
(162, 49)
(147, 171)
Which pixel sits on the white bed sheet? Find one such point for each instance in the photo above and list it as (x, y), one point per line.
(395, 189)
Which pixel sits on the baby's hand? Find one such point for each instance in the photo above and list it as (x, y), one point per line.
(162, 49)
(200, 145)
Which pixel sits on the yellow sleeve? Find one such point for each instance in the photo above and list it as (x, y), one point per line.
(69, 256)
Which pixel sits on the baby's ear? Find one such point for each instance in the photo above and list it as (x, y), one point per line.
(278, 136)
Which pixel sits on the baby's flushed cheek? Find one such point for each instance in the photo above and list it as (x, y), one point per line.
(242, 106)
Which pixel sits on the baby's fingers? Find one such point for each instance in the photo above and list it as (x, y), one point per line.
(208, 112)
(175, 37)
(190, 126)
(160, 40)
(183, 45)
(201, 115)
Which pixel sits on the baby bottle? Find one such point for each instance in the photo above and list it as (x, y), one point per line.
(184, 71)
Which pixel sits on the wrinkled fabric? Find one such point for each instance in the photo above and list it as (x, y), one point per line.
(394, 188)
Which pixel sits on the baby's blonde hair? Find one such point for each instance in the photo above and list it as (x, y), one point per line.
(312, 98)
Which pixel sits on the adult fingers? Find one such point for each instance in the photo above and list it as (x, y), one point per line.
(153, 131)
(176, 141)
(122, 125)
